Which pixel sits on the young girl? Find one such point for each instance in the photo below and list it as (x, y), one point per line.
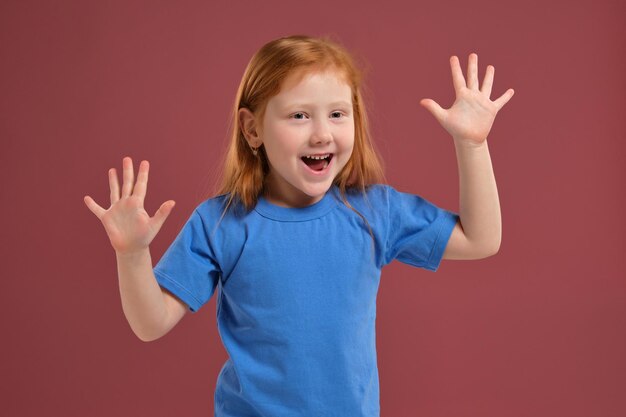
(296, 237)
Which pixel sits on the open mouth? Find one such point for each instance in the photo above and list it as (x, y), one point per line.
(317, 163)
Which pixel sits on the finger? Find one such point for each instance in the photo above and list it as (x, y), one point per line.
(127, 187)
(504, 98)
(457, 75)
(434, 108)
(162, 213)
(94, 207)
(114, 186)
(142, 180)
(472, 72)
(488, 81)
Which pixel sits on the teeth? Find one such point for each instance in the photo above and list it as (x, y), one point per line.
(317, 157)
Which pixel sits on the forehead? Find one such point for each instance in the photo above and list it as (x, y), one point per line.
(320, 86)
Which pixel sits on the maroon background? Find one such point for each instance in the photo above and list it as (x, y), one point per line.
(536, 330)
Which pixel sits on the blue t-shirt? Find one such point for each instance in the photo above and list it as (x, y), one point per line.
(297, 287)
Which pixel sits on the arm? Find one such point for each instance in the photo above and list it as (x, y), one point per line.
(479, 232)
(151, 311)
(469, 121)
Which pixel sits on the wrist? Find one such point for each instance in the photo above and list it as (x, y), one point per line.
(133, 255)
(462, 143)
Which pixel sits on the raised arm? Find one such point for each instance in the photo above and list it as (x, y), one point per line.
(469, 120)
(150, 311)
(479, 232)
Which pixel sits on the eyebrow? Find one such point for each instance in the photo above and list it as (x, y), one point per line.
(333, 104)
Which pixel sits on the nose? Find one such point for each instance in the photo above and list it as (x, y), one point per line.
(321, 133)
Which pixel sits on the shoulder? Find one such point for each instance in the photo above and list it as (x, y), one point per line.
(212, 204)
(372, 202)
(375, 198)
(216, 207)
(218, 217)
(391, 196)
(373, 194)
(385, 200)
(223, 225)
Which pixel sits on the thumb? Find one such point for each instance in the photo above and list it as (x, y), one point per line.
(434, 108)
(162, 213)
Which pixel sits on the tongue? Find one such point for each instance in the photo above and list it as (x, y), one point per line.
(316, 164)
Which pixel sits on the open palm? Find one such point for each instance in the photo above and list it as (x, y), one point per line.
(471, 116)
(128, 225)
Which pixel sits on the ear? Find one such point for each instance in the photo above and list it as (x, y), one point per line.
(248, 124)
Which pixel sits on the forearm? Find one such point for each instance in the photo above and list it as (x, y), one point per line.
(479, 203)
(142, 299)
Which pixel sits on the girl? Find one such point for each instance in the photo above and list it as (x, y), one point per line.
(295, 239)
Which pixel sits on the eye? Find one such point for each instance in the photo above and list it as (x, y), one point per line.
(297, 114)
(337, 112)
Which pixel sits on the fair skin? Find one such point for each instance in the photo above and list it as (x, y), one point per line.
(468, 121)
(307, 118)
(311, 116)
(150, 310)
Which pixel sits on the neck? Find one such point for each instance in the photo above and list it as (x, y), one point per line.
(290, 198)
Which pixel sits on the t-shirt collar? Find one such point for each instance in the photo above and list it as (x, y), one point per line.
(293, 214)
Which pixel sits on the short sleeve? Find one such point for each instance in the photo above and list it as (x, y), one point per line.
(188, 268)
(418, 231)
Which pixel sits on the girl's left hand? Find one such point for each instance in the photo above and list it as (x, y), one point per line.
(470, 118)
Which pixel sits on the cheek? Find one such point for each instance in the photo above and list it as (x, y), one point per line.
(279, 149)
(348, 139)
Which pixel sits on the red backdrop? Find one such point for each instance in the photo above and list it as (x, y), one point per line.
(536, 330)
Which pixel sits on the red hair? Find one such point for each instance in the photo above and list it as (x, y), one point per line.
(243, 174)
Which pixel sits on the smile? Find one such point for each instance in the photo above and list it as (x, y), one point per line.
(317, 164)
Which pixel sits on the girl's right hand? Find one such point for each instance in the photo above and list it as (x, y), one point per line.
(128, 225)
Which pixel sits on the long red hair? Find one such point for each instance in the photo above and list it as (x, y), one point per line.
(243, 174)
